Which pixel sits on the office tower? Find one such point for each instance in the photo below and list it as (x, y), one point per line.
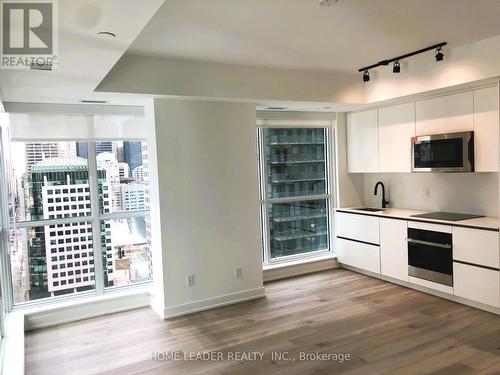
(100, 147)
(295, 161)
(138, 173)
(132, 154)
(36, 152)
(133, 197)
(123, 170)
(61, 256)
(107, 162)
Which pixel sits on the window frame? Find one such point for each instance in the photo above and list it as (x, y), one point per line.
(94, 218)
(330, 195)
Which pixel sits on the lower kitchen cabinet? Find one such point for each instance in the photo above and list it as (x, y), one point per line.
(477, 284)
(393, 248)
(358, 254)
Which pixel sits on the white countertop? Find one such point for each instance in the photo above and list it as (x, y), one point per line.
(491, 223)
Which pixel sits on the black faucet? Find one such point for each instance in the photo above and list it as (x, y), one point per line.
(384, 202)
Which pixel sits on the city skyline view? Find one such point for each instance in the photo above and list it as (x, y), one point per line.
(50, 181)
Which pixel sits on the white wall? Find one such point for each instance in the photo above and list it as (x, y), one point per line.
(475, 193)
(209, 202)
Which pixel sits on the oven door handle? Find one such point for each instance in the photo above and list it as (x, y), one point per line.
(427, 243)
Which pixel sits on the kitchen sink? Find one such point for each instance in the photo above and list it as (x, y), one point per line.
(369, 209)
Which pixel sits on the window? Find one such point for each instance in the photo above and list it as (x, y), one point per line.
(295, 192)
(54, 173)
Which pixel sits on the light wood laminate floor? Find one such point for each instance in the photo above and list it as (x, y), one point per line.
(385, 328)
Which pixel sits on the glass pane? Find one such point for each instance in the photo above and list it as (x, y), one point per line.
(123, 168)
(295, 161)
(298, 227)
(47, 180)
(51, 260)
(126, 251)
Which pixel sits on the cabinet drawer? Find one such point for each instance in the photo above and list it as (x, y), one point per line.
(476, 246)
(477, 284)
(360, 255)
(358, 227)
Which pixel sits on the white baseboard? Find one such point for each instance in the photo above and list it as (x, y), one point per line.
(212, 303)
(51, 315)
(297, 269)
(420, 288)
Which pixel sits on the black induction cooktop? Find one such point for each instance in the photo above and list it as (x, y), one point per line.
(450, 216)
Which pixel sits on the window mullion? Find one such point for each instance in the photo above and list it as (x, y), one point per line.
(96, 225)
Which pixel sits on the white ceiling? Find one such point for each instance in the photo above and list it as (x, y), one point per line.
(302, 34)
(84, 57)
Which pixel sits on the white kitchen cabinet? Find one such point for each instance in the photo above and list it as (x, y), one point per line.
(360, 255)
(358, 227)
(476, 246)
(445, 114)
(396, 127)
(362, 142)
(477, 284)
(486, 129)
(393, 248)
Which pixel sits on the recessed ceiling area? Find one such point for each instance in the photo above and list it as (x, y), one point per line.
(84, 56)
(303, 34)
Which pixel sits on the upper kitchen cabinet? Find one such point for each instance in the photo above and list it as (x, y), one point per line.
(445, 114)
(362, 142)
(486, 132)
(396, 127)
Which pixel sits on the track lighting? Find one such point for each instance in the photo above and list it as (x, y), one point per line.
(366, 76)
(396, 68)
(439, 54)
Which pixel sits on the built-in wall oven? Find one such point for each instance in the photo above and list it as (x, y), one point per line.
(430, 255)
(451, 152)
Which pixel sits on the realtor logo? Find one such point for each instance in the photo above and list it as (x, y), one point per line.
(29, 34)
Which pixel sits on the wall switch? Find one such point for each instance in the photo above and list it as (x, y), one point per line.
(238, 272)
(190, 280)
(425, 192)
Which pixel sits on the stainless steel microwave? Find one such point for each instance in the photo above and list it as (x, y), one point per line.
(451, 152)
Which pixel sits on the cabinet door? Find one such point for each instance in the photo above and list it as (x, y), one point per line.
(357, 227)
(445, 114)
(360, 255)
(476, 246)
(486, 134)
(396, 127)
(477, 284)
(362, 141)
(393, 248)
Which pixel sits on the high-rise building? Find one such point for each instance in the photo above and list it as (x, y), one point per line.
(36, 152)
(123, 170)
(132, 154)
(100, 147)
(296, 168)
(107, 161)
(61, 256)
(133, 197)
(138, 173)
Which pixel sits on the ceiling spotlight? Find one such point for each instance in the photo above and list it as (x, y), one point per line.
(366, 76)
(439, 54)
(396, 68)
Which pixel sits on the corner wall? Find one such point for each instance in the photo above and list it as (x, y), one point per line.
(209, 203)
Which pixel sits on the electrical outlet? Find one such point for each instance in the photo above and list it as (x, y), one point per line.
(425, 192)
(238, 272)
(190, 280)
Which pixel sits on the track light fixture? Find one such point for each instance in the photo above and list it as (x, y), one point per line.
(396, 68)
(439, 54)
(366, 76)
